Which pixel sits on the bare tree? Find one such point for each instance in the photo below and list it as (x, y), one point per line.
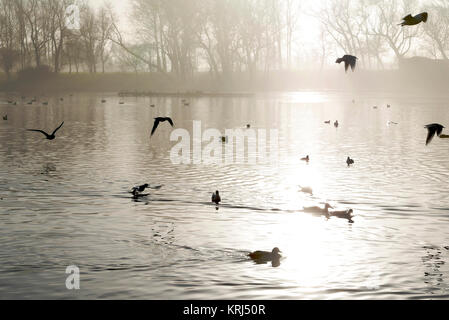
(399, 39)
(437, 28)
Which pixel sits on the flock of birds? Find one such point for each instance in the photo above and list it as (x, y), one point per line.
(274, 255)
(433, 129)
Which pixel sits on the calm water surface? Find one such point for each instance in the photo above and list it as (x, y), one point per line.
(66, 202)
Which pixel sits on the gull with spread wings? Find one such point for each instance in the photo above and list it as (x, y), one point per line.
(160, 119)
(48, 136)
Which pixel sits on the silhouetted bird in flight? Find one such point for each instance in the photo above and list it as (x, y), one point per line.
(216, 197)
(348, 60)
(160, 119)
(411, 21)
(433, 129)
(48, 136)
(136, 190)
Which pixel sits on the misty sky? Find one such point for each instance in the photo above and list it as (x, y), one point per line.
(307, 36)
(308, 26)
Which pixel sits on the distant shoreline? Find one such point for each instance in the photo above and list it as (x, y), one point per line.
(237, 85)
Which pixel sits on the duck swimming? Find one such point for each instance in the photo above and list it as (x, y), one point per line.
(216, 197)
(136, 190)
(306, 190)
(319, 210)
(347, 214)
(336, 124)
(327, 122)
(265, 256)
(349, 161)
(306, 159)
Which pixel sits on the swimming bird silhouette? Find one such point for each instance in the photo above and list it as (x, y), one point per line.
(248, 126)
(336, 124)
(349, 161)
(414, 20)
(327, 122)
(266, 255)
(307, 159)
(433, 129)
(346, 214)
(48, 136)
(318, 210)
(306, 190)
(5, 117)
(349, 61)
(136, 190)
(216, 197)
(160, 119)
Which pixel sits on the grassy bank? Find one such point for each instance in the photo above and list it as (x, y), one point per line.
(204, 84)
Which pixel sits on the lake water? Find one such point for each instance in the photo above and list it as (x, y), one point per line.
(66, 202)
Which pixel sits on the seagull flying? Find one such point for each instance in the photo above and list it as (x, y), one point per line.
(349, 61)
(433, 129)
(160, 119)
(411, 21)
(48, 136)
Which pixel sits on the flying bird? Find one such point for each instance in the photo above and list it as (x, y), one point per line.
(433, 129)
(411, 21)
(160, 119)
(349, 61)
(48, 136)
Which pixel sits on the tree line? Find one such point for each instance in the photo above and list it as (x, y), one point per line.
(223, 37)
